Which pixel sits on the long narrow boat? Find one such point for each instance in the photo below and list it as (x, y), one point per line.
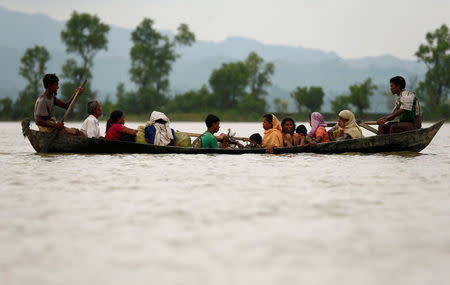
(413, 141)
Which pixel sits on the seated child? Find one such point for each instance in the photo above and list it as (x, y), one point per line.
(207, 139)
(288, 128)
(255, 141)
(300, 137)
(115, 129)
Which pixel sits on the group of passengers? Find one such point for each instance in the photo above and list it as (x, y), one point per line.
(287, 134)
(157, 129)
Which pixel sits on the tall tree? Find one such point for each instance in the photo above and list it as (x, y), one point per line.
(107, 106)
(126, 101)
(281, 106)
(228, 83)
(6, 108)
(360, 93)
(33, 68)
(259, 77)
(192, 101)
(242, 84)
(84, 35)
(310, 98)
(436, 55)
(340, 103)
(152, 57)
(74, 75)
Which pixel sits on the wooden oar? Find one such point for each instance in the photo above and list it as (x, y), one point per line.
(236, 138)
(73, 101)
(367, 127)
(329, 125)
(370, 122)
(363, 124)
(55, 132)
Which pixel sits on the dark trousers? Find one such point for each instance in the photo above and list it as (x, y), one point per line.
(127, 137)
(398, 127)
(392, 127)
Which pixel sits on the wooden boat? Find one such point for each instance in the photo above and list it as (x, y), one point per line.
(413, 141)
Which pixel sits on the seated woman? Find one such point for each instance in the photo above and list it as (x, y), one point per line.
(158, 131)
(346, 128)
(318, 133)
(300, 137)
(115, 129)
(272, 133)
(288, 129)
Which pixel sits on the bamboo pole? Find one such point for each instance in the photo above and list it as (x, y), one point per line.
(367, 127)
(73, 101)
(235, 138)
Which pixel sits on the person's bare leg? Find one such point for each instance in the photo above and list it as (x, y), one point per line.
(287, 139)
(297, 139)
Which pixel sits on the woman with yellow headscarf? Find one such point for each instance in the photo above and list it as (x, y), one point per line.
(346, 128)
(272, 133)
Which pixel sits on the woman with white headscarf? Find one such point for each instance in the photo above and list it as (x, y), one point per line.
(158, 131)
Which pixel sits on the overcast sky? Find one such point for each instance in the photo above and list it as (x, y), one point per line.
(351, 28)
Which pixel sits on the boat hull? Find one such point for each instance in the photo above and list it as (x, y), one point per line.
(413, 141)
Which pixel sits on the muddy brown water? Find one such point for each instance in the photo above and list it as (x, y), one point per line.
(218, 219)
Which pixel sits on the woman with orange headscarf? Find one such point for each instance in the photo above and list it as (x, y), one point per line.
(272, 133)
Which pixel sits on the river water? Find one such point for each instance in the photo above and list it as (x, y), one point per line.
(218, 219)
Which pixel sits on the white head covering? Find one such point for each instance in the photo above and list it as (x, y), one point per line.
(163, 134)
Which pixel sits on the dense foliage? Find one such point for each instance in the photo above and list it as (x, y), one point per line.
(235, 89)
(310, 98)
(152, 57)
(358, 97)
(84, 36)
(435, 89)
(33, 68)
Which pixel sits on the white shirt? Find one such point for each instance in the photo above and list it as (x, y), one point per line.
(405, 101)
(90, 127)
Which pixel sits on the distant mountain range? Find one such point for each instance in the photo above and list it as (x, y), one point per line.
(294, 66)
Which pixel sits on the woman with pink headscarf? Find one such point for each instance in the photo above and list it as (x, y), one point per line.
(318, 133)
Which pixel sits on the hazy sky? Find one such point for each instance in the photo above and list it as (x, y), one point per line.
(351, 28)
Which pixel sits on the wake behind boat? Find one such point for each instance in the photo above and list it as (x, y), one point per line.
(413, 141)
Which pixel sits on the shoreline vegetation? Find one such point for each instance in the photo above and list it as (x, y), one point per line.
(236, 91)
(233, 117)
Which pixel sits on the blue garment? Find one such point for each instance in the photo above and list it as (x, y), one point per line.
(150, 133)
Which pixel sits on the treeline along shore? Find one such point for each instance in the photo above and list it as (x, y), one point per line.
(236, 91)
(238, 117)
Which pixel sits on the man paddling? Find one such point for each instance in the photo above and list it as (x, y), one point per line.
(44, 109)
(407, 108)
